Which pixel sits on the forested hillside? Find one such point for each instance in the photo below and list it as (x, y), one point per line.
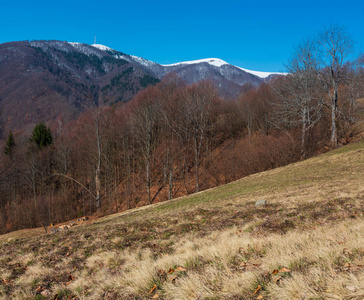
(49, 80)
(306, 241)
(174, 139)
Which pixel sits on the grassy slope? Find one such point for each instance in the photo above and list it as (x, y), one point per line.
(313, 225)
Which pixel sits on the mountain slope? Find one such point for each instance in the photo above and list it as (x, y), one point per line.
(214, 244)
(42, 80)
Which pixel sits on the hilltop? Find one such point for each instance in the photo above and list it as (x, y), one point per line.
(306, 242)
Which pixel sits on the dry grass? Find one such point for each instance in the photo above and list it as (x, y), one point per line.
(313, 226)
(24, 233)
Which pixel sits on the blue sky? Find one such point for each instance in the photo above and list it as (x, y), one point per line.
(257, 35)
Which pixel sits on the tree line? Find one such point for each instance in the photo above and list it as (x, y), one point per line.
(175, 139)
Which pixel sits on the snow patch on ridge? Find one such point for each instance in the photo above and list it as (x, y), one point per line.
(212, 61)
(143, 61)
(102, 47)
(219, 62)
(261, 74)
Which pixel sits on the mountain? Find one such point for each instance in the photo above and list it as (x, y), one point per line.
(228, 78)
(43, 80)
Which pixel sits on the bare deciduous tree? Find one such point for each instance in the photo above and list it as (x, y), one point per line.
(198, 101)
(144, 124)
(319, 71)
(298, 101)
(335, 47)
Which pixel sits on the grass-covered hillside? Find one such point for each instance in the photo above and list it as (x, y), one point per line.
(307, 242)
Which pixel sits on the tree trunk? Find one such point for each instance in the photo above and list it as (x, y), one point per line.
(170, 189)
(148, 178)
(197, 165)
(98, 188)
(303, 136)
(97, 175)
(334, 117)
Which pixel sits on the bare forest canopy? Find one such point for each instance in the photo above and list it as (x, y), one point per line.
(175, 139)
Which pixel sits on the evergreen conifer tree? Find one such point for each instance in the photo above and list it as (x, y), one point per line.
(41, 136)
(10, 144)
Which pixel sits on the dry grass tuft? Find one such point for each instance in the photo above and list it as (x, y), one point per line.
(34, 275)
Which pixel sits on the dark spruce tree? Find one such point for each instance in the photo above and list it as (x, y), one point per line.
(41, 136)
(9, 146)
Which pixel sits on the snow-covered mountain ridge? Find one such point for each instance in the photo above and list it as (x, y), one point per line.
(215, 62)
(219, 62)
